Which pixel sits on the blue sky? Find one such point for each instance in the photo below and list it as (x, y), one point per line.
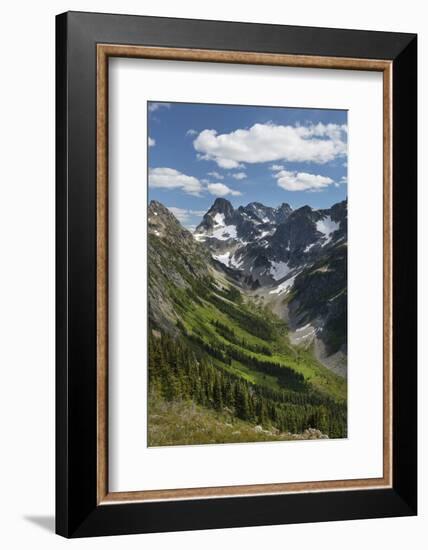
(198, 152)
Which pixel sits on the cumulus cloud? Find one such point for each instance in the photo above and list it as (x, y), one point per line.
(239, 175)
(302, 181)
(184, 215)
(276, 167)
(221, 190)
(152, 142)
(168, 178)
(225, 163)
(318, 143)
(216, 175)
(154, 106)
(191, 132)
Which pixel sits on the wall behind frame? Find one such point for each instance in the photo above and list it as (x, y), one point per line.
(27, 272)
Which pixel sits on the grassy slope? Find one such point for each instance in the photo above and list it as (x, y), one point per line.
(184, 423)
(197, 318)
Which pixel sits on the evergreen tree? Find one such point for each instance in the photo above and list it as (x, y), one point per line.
(241, 402)
(178, 372)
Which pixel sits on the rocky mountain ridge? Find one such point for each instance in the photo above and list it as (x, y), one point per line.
(268, 243)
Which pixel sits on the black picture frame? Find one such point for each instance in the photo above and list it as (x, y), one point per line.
(77, 511)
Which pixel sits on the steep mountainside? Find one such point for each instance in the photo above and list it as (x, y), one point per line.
(295, 261)
(176, 264)
(212, 344)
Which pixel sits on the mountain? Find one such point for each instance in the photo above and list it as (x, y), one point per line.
(293, 260)
(259, 240)
(171, 266)
(217, 343)
(224, 228)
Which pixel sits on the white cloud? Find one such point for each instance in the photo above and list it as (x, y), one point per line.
(152, 142)
(302, 181)
(276, 167)
(239, 175)
(319, 143)
(191, 132)
(184, 215)
(221, 190)
(168, 178)
(221, 162)
(154, 106)
(216, 175)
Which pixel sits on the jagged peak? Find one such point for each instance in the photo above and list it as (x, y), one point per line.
(306, 209)
(256, 204)
(221, 205)
(158, 207)
(161, 220)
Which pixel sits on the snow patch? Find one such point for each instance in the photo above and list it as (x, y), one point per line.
(225, 232)
(279, 270)
(219, 219)
(220, 232)
(285, 286)
(228, 260)
(236, 263)
(264, 234)
(327, 227)
(223, 258)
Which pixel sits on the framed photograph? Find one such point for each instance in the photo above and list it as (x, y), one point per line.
(236, 274)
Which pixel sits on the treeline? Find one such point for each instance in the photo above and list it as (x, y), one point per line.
(231, 293)
(177, 372)
(286, 377)
(229, 334)
(251, 323)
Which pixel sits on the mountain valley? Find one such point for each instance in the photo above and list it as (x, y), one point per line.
(247, 318)
(295, 261)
